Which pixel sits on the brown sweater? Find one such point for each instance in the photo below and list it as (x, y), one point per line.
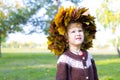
(76, 67)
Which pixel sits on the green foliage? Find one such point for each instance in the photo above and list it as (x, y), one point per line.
(10, 21)
(108, 17)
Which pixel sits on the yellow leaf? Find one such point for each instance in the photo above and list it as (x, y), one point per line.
(49, 42)
(56, 52)
(59, 16)
(61, 30)
(87, 23)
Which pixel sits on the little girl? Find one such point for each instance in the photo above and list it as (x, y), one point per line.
(71, 34)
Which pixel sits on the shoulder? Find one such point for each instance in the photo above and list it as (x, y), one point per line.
(63, 58)
(89, 55)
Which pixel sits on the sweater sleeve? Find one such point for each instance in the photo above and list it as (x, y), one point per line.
(94, 70)
(62, 68)
(61, 73)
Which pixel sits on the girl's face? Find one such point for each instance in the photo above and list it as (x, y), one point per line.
(75, 34)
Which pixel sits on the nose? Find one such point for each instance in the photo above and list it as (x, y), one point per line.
(78, 35)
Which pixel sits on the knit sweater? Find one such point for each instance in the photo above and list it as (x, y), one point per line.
(75, 67)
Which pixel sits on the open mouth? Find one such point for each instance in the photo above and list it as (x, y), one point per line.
(78, 38)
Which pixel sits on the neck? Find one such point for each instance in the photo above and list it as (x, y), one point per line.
(75, 49)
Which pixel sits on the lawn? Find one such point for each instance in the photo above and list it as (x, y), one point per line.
(42, 66)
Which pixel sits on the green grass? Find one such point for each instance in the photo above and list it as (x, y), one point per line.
(42, 66)
(108, 67)
(27, 67)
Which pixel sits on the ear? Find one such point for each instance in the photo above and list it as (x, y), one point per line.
(86, 13)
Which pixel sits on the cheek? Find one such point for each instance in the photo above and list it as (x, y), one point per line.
(82, 35)
(70, 37)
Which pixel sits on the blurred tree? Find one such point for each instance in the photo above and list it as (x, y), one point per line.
(14, 17)
(41, 23)
(109, 17)
(11, 17)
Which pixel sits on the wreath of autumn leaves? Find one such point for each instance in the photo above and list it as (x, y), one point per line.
(57, 42)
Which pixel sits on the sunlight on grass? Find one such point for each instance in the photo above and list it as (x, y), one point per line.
(39, 66)
(108, 61)
(108, 67)
(31, 67)
(107, 78)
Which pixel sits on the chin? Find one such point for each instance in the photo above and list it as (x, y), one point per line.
(78, 43)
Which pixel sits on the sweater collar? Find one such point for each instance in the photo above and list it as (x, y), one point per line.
(77, 57)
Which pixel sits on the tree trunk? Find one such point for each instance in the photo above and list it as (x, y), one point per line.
(118, 50)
